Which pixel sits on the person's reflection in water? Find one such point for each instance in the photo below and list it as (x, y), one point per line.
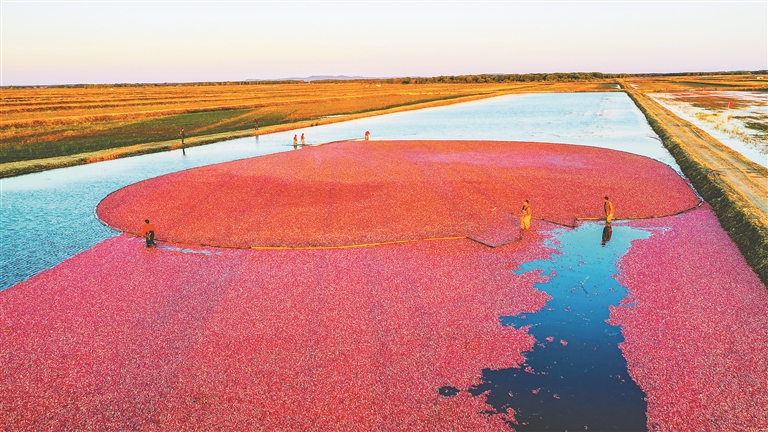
(607, 233)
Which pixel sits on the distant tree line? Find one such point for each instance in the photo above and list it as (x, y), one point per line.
(532, 77)
(673, 74)
(448, 79)
(188, 84)
(499, 78)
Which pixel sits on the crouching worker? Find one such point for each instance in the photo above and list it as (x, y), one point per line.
(148, 232)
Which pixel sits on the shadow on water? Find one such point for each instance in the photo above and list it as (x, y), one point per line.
(576, 376)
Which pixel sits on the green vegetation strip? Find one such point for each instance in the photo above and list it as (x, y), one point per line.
(745, 227)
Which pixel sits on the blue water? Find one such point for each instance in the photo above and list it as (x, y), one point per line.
(48, 217)
(584, 383)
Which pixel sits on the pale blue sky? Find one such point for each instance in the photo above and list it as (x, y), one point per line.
(112, 42)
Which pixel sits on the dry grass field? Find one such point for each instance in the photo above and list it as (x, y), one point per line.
(59, 122)
(49, 127)
(694, 83)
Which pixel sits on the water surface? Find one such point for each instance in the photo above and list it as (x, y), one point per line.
(576, 377)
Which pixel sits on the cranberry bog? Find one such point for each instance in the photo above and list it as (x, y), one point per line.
(354, 193)
(380, 285)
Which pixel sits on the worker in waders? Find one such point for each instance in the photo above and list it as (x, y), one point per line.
(608, 208)
(148, 232)
(302, 140)
(295, 141)
(525, 218)
(182, 135)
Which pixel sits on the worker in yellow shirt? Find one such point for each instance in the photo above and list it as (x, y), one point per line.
(148, 232)
(608, 207)
(525, 218)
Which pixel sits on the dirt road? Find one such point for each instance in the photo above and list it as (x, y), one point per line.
(732, 169)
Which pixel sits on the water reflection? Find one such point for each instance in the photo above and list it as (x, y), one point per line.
(607, 233)
(49, 216)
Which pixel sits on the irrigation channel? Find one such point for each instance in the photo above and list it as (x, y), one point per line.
(48, 217)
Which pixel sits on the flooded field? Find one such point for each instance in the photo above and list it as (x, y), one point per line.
(601, 327)
(49, 216)
(738, 119)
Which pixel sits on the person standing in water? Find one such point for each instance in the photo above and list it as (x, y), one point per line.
(525, 218)
(295, 141)
(302, 140)
(148, 232)
(182, 135)
(367, 135)
(608, 208)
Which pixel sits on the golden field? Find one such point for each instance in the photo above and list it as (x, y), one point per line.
(102, 122)
(49, 127)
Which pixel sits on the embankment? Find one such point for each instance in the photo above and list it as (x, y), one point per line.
(734, 193)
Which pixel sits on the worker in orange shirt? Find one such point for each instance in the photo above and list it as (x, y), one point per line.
(525, 218)
(295, 141)
(148, 232)
(367, 135)
(302, 140)
(608, 208)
